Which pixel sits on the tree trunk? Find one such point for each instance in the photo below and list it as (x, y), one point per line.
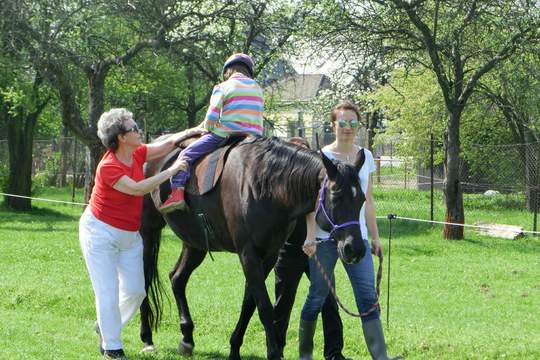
(20, 143)
(64, 158)
(94, 153)
(95, 149)
(452, 186)
(372, 122)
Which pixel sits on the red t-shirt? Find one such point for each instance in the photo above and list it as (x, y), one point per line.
(114, 207)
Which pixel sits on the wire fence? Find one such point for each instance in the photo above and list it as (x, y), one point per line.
(56, 162)
(500, 183)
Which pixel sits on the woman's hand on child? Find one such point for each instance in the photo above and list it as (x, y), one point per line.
(179, 165)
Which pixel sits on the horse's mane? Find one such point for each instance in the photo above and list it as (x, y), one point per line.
(284, 171)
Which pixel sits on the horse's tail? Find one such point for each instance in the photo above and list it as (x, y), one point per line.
(151, 225)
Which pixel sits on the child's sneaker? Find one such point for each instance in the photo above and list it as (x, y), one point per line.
(174, 202)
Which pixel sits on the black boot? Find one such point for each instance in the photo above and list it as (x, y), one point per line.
(305, 339)
(374, 336)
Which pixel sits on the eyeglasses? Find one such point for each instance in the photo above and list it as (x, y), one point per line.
(353, 123)
(135, 128)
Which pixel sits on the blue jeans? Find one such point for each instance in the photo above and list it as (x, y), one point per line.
(197, 149)
(361, 276)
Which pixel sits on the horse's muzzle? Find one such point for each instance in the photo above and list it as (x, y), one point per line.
(351, 250)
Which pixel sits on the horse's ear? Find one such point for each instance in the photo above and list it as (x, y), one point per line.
(331, 168)
(360, 159)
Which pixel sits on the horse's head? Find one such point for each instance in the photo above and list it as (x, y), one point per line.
(340, 201)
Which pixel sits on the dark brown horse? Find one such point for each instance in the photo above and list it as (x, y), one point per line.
(265, 186)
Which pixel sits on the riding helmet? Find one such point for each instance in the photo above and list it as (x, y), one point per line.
(239, 58)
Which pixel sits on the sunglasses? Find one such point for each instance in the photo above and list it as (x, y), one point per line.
(135, 128)
(353, 123)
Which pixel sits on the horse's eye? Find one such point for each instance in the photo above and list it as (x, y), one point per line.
(353, 189)
(337, 192)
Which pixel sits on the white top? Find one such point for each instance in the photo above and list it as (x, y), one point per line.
(363, 174)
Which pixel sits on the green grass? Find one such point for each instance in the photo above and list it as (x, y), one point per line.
(471, 299)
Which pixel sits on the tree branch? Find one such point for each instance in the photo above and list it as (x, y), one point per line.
(503, 54)
(431, 47)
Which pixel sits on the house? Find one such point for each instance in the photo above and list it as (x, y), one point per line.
(286, 105)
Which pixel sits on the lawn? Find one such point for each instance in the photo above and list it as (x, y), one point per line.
(478, 298)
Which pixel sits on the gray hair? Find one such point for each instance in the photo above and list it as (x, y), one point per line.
(110, 125)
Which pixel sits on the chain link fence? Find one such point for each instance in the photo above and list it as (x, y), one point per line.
(500, 183)
(56, 162)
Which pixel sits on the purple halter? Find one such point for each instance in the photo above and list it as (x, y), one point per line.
(321, 207)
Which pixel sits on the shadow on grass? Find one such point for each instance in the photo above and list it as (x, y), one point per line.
(44, 214)
(416, 250)
(172, 354)
(521, 245)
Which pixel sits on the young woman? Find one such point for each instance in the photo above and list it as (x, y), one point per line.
(345, 123)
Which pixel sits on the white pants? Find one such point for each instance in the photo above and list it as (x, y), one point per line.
(114, 259)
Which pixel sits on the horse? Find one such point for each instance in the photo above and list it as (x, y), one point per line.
(266, 184)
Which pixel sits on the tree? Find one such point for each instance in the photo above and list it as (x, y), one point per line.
(70, 41)
(459, 42)
(413, 112)
(513, 89)
(22, 100)
(258, 28)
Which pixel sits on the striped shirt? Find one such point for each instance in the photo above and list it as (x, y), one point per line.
(236, 107)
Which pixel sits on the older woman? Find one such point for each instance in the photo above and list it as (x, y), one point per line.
(345, 123)
(108, 228)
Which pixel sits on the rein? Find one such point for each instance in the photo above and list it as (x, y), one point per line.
(329, 238)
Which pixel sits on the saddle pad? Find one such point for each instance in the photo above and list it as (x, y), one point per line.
(207, 171)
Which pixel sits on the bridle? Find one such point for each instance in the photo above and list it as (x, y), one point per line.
(321, 206)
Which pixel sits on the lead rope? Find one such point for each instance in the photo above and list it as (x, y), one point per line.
(334, 293)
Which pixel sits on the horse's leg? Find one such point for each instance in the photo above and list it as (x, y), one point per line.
(151, 224)
(254, 271)
(248, 307)
(189, 260)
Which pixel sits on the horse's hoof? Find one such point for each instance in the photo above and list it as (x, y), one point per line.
(233, 355)
(148, 348)
(185, 349)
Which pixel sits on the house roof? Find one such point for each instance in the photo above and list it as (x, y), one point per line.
(298, 88)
